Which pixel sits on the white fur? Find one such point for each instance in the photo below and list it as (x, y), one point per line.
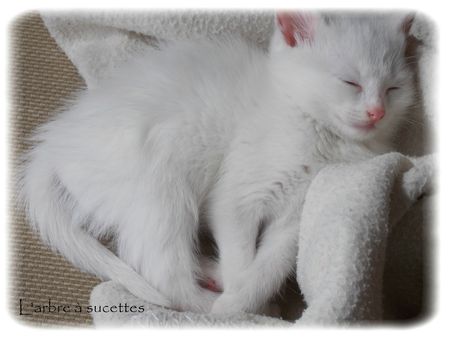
(215, 128)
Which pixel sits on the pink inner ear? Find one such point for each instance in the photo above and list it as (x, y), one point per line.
(287, 28)
(296, 26)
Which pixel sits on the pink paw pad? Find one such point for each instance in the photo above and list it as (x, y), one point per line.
(211, 285)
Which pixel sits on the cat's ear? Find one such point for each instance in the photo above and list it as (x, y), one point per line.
(406, 24)
(296, 27)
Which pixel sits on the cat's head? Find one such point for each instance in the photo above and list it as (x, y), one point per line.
(348, 71)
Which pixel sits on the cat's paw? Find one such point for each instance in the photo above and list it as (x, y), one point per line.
(198, 302)
(206, 302)
(228, 304)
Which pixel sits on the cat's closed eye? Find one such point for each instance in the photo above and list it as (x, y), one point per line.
(391, 89)
(353, 84)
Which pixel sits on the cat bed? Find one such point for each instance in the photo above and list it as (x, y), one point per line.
(364, 226)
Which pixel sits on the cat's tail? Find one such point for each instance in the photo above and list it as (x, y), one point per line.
(53, 213)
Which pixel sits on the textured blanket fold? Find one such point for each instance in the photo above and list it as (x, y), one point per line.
(358, 219)
(347, 217)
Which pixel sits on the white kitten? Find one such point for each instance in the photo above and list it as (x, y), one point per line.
(218, 128)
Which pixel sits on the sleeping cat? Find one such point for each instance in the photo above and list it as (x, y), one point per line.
(216, 130)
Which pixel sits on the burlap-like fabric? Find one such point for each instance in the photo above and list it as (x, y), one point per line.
(41, 76)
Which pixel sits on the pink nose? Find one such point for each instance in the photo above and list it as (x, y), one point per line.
(375, 114)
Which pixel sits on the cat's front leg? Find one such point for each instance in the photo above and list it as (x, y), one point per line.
(159, 243)
(273, 262)
(235, 232)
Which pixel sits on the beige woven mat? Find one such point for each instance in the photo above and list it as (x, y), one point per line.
(40, 77)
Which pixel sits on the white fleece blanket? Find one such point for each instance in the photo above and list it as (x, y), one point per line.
(364, 225)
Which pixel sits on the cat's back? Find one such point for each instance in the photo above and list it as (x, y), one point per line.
(189, 95)
(200, 75)
(205, 85)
